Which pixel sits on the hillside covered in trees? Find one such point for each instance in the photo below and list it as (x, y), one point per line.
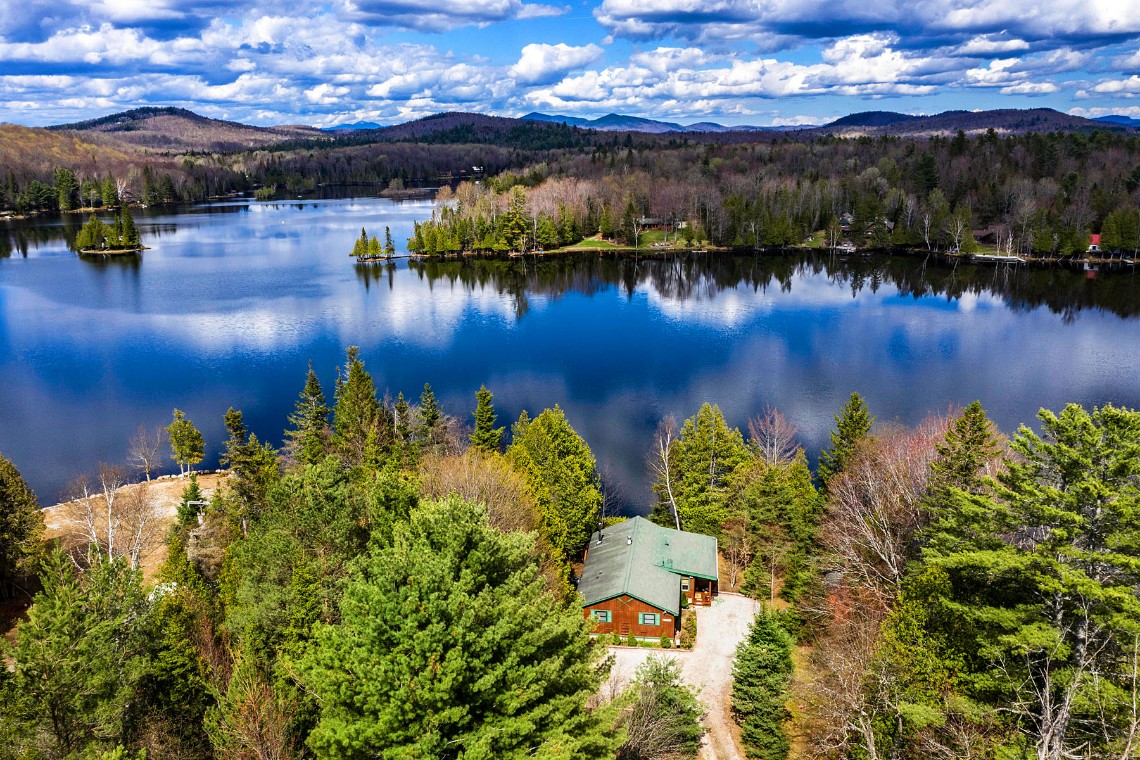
(397, 582)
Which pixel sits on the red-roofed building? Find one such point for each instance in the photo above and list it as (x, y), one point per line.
(1094, 244)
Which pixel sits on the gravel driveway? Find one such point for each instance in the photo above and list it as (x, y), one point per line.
(707, 667)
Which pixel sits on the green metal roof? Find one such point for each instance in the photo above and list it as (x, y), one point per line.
(645, 561)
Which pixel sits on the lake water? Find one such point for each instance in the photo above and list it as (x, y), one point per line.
(234, 299)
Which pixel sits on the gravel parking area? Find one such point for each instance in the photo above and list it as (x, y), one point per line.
(708, 667)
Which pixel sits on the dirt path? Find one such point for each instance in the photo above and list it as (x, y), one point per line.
(708, 667)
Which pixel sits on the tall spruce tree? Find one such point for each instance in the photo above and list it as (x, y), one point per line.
(21, 532)
(129, 232)
(562, 472)
(853, 423)
(429, 428)
(971, 444)
(448, 646)
(356, 412)
(762, 673)
(307, 440)
(485, 437)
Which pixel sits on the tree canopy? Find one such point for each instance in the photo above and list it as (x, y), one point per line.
(448, 647)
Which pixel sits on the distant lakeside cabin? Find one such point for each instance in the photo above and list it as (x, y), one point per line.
(636, 574)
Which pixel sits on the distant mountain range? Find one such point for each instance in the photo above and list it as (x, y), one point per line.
(173, 130)
(1126, 121)
(614, 122)
(353, 126)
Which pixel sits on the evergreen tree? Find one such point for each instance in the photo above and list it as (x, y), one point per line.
(67, 189)
(356, 411)
(782, 510)
(448, 646)
(186, 443)
(238, 440)
(563, 475)
(109, 191)
(389, 246)
(761, 673)
(1042, 577)
(188, 510)
(971, 444)
(79, 660)
(129, 235)
(21, 532)
(853, 423)
(485, 437)
(705, 457)
(308, 437)
(429, 429)
(92, 235)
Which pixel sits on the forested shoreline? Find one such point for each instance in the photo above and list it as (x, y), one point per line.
(396, 581)
(1032, 195)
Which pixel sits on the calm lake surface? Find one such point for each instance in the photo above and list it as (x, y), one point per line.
(234, 299)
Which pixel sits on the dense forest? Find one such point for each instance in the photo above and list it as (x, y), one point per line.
(397, 582)
(1039, 195)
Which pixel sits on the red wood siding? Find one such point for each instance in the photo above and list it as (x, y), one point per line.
(624, 612)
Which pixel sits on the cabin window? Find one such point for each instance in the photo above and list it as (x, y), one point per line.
(648, 618)
(685, 585)
(602, 616)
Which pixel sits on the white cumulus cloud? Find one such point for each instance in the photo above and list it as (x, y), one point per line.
(544, 64)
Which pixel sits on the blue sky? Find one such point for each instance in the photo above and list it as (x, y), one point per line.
(732, 61)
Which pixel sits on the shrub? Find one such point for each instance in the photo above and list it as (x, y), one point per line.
(688, 629)
(666, 642)
(631, 640)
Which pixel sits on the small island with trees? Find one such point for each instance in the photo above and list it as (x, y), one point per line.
(98, 237)
(370, 249)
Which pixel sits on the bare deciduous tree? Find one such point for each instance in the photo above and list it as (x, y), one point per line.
(111, 517)
(661, 463)
(774, 436)
(736, 546)
(146, 449)
(485, 479)
(874, 506)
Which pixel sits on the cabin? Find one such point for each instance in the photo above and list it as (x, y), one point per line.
(1094, 244)
(636, 574)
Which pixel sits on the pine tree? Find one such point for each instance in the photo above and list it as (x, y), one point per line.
(389, 246)
(79, 662)
(853, 423)
(1042, 577)
(485, 437)
(239, 438)
(562, 472)
(449, 646)
(308, 438)
(21, 532)
(186, 443)
(664, 716)
(762, 672)
(356, 411)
